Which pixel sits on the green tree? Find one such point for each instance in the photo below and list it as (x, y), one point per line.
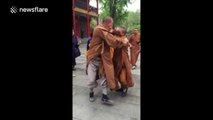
(93, 23)
(132, 21)
(115, 9)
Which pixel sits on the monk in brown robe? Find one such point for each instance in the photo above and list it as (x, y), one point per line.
(99, 62)
(135, 49)
(122, 66)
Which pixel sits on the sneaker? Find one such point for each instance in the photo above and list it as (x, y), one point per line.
(119, 90)
(133, 67)
(106, 100)
(73, 75)
(91, 97)
(124, 92)
(73, 68)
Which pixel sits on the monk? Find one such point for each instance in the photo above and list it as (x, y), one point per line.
(99, 60)
(135, 49)
(122, 66)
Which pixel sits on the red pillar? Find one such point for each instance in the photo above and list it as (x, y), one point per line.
(79, 27)
(97, 11)
(88, 21)
(88, 25)
(74, 27)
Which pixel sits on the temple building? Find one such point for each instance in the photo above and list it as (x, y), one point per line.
(83, 12)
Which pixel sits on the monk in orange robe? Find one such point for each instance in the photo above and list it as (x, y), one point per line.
(99, 62)
(122, 66)
(135, 49)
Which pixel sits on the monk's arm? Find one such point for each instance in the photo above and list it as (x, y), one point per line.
(130, 45)
(130, 39)
(115, 41)
(112, 40)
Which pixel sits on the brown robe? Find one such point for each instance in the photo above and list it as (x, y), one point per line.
(111, 52)
(122, 67)
(100, 48)
(134, 50)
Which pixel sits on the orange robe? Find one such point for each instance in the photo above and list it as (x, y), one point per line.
(111, 52)
(134, 50)
(122, 67)
(100, 48)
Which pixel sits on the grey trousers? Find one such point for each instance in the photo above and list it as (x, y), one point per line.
(92, 73)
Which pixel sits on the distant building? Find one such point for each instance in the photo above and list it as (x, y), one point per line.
(82, 14)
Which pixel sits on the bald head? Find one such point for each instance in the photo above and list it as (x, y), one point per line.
(135, 31)
(121, 30)
(107, 22)
(108, 19)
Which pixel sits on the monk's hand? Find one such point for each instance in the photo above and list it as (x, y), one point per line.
(125, 40)
(111, 30)
(138, 42)
(130, 45)
(116, 32)
(139, 50)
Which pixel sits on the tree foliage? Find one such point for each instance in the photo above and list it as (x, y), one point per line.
(121, 17)
(115, 9)
(132, 21)
(93, 23)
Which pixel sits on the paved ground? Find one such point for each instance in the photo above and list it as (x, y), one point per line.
(127, 108)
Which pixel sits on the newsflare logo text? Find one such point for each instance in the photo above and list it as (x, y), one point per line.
(15, 9)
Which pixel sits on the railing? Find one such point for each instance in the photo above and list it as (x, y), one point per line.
(93, 9)
(81, 4)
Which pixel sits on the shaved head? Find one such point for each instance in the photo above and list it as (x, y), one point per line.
(108, 19)
(122, 30)
(108, 22)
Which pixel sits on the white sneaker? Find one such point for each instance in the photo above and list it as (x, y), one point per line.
(133, 67)
(106, 100)
(91, 97)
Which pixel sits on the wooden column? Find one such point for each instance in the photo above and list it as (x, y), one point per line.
(73, 17)
(79, 27)
(88, 21)
(97, 12)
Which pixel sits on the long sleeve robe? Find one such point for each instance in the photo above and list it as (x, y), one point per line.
(122, 67)
(100, 48)
(134, 51)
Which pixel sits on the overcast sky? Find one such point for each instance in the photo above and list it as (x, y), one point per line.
(131, 7)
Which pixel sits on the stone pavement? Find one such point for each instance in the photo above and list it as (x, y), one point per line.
(124, 108)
